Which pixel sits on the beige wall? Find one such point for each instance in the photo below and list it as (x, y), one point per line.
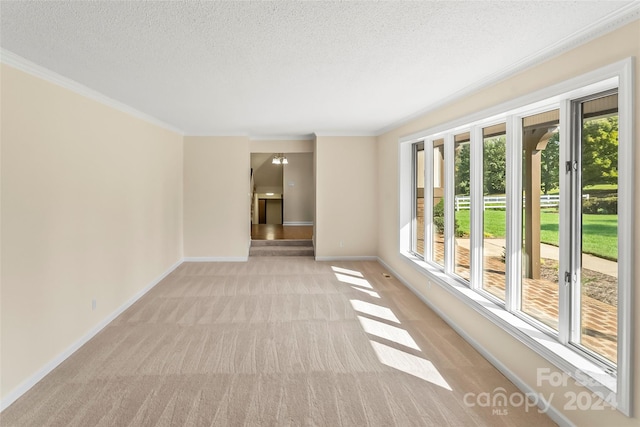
(523, 362)
(267, 177)
(346, 197)
(298, 189)
(217, 198)
(274, 211)
(91, 209)
(281, 146)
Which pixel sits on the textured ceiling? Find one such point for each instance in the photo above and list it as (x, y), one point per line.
(287, 68)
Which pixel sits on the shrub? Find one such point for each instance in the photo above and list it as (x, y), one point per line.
(438, 216)
(600, 205)
(438, 220)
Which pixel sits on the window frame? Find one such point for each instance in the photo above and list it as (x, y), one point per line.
(574, 151)
(414, 188)
(614, 387)
(564, 218)
(452, 195)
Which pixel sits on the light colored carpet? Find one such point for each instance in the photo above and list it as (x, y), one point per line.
(272, 342)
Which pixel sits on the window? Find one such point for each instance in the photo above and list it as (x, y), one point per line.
(437, 205)
(494, 204)
(462, 205)
(418, 208)
(540, 216)
(530, 209)
(594, 296)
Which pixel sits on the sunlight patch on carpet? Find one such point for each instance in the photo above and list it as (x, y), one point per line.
(410, 364)
(374, 310)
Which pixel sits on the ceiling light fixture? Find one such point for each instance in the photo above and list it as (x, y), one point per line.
(279, 159)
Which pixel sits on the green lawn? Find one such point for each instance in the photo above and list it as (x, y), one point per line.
(603, 187)
(600, 235)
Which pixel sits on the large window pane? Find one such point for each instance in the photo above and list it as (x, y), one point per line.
(494, 169)
(541, 196)
(418, 179)
(437, 238)
(599, 232)
(462, 204)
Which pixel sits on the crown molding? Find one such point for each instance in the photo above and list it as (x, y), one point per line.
(11, 59)
(346, 134)
(217, 134)
(607, 24)
(305, 137)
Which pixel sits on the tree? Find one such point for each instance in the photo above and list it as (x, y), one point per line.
(599, 159)
(495, 165)
(600, 151)
(550, 165)
(463, 169)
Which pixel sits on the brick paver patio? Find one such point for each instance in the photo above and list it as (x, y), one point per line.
(540, 300)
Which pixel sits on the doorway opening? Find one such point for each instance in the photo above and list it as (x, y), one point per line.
(283, 193)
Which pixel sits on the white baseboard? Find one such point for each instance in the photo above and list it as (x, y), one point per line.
(553, 412)
(347, 258)
(216, 259)
(294, 223)
(51, 365)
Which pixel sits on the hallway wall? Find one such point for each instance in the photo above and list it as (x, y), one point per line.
(346, 196)
(217, 198)
(298, 189)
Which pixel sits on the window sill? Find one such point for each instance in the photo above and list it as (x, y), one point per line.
(583, 370)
